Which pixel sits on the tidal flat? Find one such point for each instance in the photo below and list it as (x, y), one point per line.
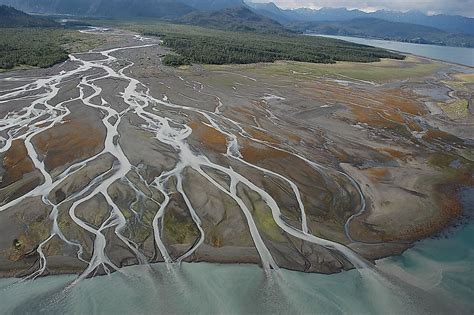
(112, 159)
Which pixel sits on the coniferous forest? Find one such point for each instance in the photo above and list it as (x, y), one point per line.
(202, 45)
(36, 47)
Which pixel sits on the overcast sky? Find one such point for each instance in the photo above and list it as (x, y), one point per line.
(461, 7)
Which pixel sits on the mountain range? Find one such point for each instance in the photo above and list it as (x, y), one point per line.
(411, 26)
(177, 8)
(448, 23)
(382, 29)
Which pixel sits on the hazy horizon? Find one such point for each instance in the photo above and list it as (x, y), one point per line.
(430, 7)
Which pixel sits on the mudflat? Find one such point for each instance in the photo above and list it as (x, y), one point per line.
(112, 159)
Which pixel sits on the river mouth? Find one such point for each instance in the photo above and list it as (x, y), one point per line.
(442, 267)
(216, 289)
(116, 165)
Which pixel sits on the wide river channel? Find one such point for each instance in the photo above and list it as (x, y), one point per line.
(458, 55)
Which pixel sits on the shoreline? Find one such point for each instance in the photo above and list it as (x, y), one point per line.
(399, 248)
(453, 228)
(399, 51)
(387, 40)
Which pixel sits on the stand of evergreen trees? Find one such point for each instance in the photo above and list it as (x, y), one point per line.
(200, 45)
(36, 47)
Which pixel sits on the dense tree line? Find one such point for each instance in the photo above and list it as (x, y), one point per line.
(31, 47)
(200, 45)
(175, 60)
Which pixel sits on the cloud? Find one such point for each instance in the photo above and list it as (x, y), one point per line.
(461, 7)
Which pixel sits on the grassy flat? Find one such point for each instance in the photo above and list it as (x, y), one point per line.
(384, 70)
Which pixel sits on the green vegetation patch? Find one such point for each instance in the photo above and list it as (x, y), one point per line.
(40, 47)
(208, 46)
(179, 229)
(175, 60)
(456, 110)
(383, 71)
(465, 77)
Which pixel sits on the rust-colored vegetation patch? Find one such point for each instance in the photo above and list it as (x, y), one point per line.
(243, 114)
(436, 134)
(16, 163)
(378, 173)
(293, 137)
(389, 111)
(216, 241)
(377, 117)
(253, 153)
(263, 136)
(414, 126)
(378, 108)
(242, 110)
(69, 142)
(395, 153)
(450, 210)
(403, 102)
(209, 137)
(341, 155)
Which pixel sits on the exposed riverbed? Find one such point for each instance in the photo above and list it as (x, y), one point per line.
(118, 166)
(442, 268)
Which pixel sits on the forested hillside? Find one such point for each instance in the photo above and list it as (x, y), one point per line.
(448, 23)
(10, 17)
(234, 19)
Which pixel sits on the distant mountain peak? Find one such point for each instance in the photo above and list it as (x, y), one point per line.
(449, 23)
